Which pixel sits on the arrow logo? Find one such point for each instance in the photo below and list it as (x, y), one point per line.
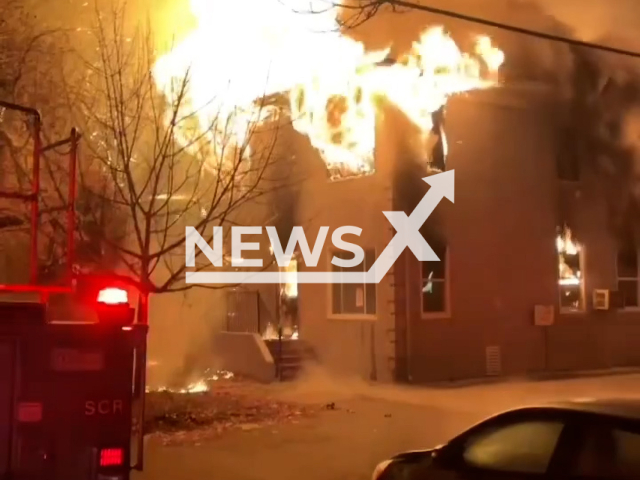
(408, 227)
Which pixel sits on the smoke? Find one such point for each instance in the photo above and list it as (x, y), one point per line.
(182, 327)
(602, 89)
(316, 384)
(591, 20)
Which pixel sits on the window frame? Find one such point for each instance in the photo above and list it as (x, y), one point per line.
(583, 296)
(349, 316)
(447, 289)
(636, 279)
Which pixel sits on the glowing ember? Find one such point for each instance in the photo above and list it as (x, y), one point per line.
(199, 386)
(288, 333)
(270, 333)
(222, 375)
(234, 60)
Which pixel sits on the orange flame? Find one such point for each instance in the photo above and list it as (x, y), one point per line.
(567, 246)
(235, 59)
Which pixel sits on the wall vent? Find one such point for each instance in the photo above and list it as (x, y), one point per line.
(493, 356)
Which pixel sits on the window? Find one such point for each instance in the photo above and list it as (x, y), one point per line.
(570, 272)
(523, 447)
(627, 268)
(608, 454)
(354, 298)
(434, 282)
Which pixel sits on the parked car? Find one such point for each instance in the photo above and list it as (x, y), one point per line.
(581, 440)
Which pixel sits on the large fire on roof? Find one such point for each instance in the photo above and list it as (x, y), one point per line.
(234, 59)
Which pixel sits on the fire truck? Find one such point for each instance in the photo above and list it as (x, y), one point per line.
(71, 392)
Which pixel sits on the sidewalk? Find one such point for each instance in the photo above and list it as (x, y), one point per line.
(463, 396)
(538, 377)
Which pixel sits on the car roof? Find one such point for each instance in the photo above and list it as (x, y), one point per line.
(623, 408)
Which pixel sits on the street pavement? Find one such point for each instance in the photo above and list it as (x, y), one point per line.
(367, 424)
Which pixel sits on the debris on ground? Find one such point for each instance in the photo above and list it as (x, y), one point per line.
(175, 417)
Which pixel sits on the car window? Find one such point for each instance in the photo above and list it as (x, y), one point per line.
(522, 447)
(608, 453)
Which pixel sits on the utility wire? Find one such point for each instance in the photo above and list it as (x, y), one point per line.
(513, 28)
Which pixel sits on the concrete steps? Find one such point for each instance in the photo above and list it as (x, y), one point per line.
(290, 357)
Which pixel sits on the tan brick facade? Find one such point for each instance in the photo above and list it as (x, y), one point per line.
(502, 258)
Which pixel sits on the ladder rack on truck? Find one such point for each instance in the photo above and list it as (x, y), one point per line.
(71, 393)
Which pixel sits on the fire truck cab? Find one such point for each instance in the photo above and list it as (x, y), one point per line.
(69, 392)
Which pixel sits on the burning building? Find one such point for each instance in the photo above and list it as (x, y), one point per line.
(517, 290)
(527, 280)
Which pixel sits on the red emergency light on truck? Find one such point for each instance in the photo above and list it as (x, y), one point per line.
(71, 393)
(68, 393)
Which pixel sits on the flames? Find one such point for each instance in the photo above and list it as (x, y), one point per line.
(201, 385)
(568, 249)
(334, 85)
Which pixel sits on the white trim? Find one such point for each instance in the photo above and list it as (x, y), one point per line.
(583, 276)
(629, 310)
(631, 279)
(446, 314)
(349, 316)
(354, 316)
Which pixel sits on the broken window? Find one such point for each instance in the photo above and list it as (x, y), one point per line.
(570, 274)
(438, 150)
(434, 282)
(354, 298)
(627, 271)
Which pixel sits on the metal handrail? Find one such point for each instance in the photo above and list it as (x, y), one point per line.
(33, 197)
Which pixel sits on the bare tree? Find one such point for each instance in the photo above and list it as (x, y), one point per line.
(30, 75)
(168, 163)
